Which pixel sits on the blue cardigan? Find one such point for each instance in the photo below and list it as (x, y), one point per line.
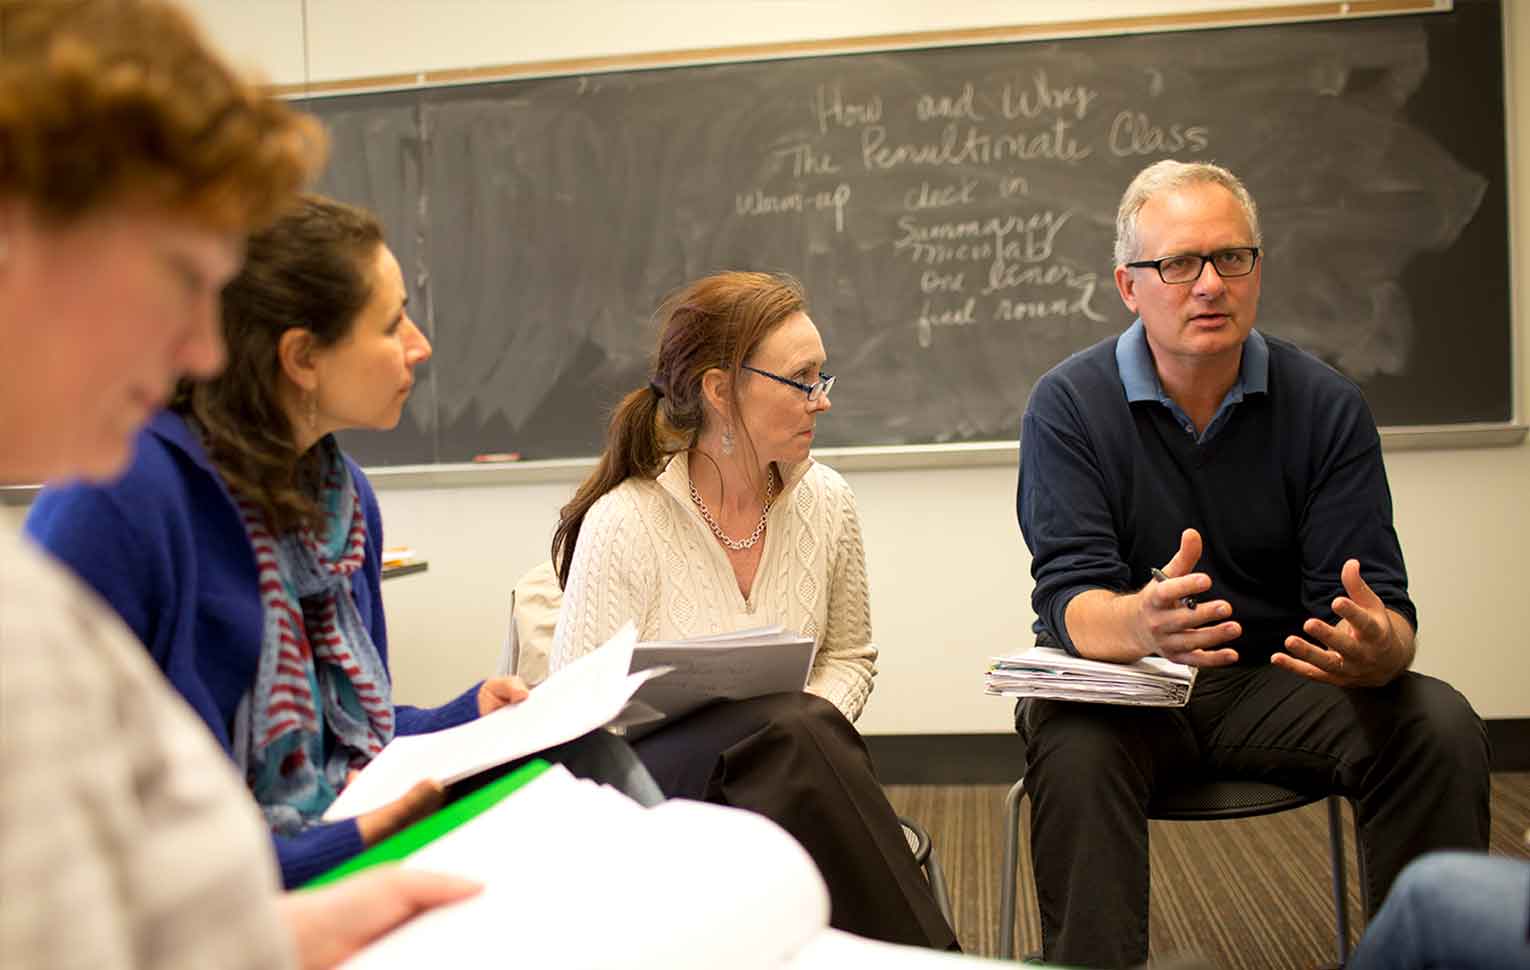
(166, 548)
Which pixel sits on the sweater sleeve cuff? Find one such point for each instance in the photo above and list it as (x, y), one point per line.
(1056, 619)
(316, 851)
(847, 696)
(1404, 608)
(420, 720)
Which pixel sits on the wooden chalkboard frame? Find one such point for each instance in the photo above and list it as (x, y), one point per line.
(984, 453)
(1056, 30)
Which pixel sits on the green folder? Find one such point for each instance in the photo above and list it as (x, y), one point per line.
(428, 829)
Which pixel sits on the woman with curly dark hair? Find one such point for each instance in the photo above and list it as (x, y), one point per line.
(245, 549)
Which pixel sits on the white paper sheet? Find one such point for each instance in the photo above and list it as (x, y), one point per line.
(576, 875)
(581, 697)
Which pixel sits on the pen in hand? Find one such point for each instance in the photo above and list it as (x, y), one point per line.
(1188, 602)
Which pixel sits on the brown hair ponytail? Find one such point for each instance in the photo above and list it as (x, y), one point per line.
(715, 322)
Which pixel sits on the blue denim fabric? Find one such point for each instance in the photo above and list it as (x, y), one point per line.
(1461, 910)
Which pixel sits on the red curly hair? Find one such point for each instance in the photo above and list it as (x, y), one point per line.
(124, 101)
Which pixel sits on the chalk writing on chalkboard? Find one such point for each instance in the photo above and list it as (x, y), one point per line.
(950, 212)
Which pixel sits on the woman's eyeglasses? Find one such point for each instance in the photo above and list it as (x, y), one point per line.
(813, 391)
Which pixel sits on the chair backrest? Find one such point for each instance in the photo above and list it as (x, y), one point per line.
(534, 605)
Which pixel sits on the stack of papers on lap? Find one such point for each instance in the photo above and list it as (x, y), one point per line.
(1052, 673)
(723, 666)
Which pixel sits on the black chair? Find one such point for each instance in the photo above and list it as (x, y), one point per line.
(924, 853)
(1196, 801)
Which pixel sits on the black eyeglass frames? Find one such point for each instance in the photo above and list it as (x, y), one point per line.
(819, 387)
(1187, 267)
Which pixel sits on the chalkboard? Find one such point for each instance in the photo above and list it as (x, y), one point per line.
(950, 212)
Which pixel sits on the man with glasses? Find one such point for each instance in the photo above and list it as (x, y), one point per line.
(1248, 475)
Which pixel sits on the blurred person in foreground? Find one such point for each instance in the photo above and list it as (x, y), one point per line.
(1461, 910)
(133, 162)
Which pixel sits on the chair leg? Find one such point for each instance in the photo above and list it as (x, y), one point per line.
(1340, 889)
(923, 848)
(1007, 875)
(1360, 876)
(937, 879)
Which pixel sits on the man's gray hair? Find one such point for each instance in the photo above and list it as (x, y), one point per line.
(1165, 176)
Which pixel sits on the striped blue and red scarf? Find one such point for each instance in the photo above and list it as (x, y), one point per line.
(321, 705)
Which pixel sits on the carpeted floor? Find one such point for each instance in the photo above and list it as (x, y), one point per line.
(1249, 894)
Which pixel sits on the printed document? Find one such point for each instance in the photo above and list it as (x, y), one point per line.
(723, 666)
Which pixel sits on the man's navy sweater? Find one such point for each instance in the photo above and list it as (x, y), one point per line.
(1289, 486)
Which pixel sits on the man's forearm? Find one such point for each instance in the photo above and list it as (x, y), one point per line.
(1100, 624)
(1407, 639)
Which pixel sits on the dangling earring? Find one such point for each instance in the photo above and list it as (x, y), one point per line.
(728, 440)
(311, 411)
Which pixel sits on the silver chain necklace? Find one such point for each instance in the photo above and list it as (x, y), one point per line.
(737, 545)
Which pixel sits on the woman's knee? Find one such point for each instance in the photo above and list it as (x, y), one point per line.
(801, 750)
(800, 714)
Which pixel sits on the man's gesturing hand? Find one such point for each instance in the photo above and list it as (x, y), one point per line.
(1163, 625)
(1364, 649)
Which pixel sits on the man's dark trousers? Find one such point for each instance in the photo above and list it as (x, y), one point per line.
(1412, 756)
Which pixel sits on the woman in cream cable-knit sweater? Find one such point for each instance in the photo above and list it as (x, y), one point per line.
(706, 514)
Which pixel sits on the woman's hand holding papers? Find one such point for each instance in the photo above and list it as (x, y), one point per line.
(332, 924)
(428, 796)
(421, 800)
(498, 692)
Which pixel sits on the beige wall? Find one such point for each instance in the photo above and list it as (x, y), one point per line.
(950, 580)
